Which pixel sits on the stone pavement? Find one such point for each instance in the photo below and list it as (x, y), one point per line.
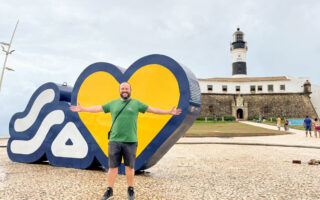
(296, 138)
(187, 172)
(3, 142)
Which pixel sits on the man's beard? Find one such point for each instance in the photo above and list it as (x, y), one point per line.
(127, 97)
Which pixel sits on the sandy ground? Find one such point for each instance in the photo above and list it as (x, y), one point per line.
(187, 171)
(3, 141)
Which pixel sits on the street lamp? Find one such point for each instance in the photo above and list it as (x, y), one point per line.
(7, 53)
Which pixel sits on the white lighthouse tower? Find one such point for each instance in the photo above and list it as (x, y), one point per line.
(239, 55)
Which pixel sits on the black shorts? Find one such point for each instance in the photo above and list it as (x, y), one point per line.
(117, 150)
(308, 128)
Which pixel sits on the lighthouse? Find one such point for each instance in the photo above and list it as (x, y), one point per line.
(239, 50)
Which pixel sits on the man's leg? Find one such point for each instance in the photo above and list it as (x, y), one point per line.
(129, 156)
(310, 131)
(112, 175)
(130, 180)
(130, 176)
(114, 151)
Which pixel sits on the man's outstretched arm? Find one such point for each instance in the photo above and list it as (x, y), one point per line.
(92, 109)
(159, 111)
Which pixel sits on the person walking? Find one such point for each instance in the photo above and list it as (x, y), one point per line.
(307, 125)
(316, 125)
(286, 124)
(279, 123)
(123, 136)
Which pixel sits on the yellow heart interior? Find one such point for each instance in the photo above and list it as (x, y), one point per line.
(153, 85)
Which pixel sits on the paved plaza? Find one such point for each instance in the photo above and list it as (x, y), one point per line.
(295, 138)
(195, 168)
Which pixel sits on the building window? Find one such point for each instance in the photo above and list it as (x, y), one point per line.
(209, 88)
(260, 88)
(270, 88)
(224, 88)
(239, 37)
(252, 88)
(237, 88)
(283, 87)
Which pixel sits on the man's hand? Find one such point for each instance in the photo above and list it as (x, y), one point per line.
(175, 112)
(78, 108)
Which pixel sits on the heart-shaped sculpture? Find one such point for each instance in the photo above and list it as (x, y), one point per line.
(156, 80)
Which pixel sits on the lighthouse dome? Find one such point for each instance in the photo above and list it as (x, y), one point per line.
(238, 36)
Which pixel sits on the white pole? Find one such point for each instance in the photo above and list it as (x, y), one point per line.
(7, 53)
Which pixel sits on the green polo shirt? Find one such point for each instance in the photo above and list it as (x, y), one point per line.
(125, 127)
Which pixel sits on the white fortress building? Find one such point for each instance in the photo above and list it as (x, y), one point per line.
(244, 87)
(253, 85)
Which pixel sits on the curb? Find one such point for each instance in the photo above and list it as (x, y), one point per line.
(252, 144)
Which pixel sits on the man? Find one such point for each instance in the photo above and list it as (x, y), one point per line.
(279, 123)
(123, 137)
(286, 124)
(307, 125)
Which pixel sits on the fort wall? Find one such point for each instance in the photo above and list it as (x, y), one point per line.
(291, 105)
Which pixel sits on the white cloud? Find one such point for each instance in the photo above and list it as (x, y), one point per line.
(56, 40)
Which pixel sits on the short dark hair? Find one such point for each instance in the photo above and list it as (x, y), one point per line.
(307, 116)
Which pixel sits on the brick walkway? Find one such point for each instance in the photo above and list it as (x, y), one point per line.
(296, 139)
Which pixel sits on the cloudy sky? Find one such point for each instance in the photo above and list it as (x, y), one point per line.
(56, 40)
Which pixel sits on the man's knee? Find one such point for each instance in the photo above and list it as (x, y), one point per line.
(129, 168)
(129, 171)
(113, 170)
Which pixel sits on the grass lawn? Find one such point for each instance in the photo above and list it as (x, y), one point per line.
(228, 129)
(299, 127)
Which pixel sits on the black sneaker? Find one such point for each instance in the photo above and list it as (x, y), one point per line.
(130, 193)
(108, 194)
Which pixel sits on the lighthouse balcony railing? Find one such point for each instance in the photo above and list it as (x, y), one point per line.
(238, 45)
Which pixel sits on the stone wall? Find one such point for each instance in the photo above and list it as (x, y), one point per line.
(268, 105)
(221, 104)
(315, 98)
